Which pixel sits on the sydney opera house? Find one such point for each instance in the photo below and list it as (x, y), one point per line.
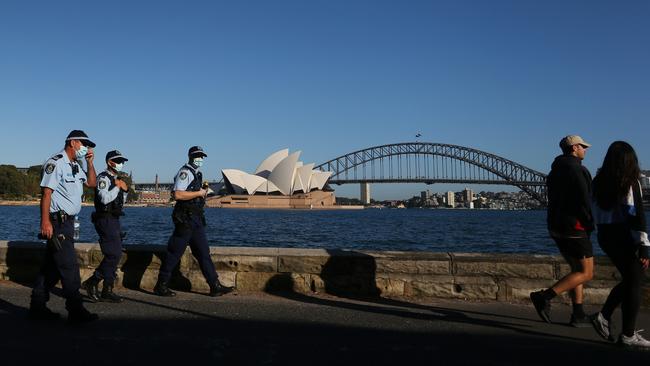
(280, 181)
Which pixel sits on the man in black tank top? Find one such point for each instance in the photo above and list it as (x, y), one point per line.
(110, 195)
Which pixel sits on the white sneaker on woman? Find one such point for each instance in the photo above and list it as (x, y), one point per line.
(601, 325)
(635, 340)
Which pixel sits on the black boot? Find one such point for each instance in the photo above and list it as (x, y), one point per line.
(162, 289)
(108, 295)
(77, 314)
(217, 289)
(90, 285)
(40, 311)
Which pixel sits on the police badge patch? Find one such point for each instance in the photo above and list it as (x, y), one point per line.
(49, 168)
(102, 185)
(183, 175)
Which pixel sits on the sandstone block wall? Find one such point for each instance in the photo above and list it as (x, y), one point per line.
(467, 276)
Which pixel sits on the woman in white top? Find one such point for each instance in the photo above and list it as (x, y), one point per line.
(618, 214)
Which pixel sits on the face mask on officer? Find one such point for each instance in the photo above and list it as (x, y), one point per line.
(198, 162)
(118, 167)
(81, 152)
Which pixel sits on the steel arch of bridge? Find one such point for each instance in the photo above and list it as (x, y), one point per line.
(425, 162)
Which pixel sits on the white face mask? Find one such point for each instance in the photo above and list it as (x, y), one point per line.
(81, 153)
(118, 167)
(198, 162)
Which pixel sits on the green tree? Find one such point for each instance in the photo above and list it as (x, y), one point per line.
(15, 184)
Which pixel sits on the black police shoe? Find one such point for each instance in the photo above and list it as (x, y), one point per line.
(162, 289)
(42, 312)
(108, 295)
(542, 305)
(80, 315)
(580, 321)
(90, 285)
(217, 289)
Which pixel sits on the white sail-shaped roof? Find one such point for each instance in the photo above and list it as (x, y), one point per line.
(253, 182)
(283, 174)
(267, 187)
(280, 172)
(235, 177)
(318, 179)
(303, 176)
(242, 181)
(266, 167)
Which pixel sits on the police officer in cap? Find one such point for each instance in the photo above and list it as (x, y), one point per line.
(62, 187)
(189, 227)
(110, 195)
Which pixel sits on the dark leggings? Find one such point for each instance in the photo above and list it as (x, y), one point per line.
(616, 241)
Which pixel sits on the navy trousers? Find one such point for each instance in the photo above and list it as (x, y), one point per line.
(191, 233)
(60, 265)
(110, 241)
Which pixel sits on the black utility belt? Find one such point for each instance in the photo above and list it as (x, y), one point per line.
(60, 216)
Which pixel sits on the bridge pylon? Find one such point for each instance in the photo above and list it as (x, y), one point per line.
(365, 193)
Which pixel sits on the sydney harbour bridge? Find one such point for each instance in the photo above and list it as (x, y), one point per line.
(428, 163)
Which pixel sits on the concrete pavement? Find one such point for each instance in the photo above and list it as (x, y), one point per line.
(289, 328)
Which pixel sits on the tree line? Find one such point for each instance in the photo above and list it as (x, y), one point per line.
(22, 185)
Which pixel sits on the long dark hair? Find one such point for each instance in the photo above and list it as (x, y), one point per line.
(619, 172)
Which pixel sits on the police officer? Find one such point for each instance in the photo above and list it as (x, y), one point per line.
(189, 227)
(110, 195)
(62, 188)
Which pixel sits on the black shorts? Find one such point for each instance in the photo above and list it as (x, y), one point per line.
(576, 248)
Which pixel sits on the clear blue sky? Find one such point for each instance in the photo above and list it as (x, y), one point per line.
(244, 79)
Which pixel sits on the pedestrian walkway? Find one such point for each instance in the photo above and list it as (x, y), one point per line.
(281, 329)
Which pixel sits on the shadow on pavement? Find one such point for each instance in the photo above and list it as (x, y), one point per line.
(207, 338)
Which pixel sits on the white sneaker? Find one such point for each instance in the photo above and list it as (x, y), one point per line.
(601, 325)
(635, 340)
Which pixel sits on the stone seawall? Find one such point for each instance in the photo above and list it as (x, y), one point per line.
(467, 276)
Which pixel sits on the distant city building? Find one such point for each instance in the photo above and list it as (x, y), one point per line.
(468, 198)
(468, 195)
(451, 199)
(154, 197)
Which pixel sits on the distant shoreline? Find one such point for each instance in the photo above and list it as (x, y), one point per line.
(19, 203)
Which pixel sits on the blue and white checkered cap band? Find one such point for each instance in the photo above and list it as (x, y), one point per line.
(81, 138)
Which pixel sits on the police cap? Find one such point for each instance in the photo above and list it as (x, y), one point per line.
(196, 151)
(116, 156)
(81, 136)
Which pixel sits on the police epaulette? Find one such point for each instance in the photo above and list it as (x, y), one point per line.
(57, 157)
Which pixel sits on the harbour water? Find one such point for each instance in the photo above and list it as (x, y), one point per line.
(371, 229)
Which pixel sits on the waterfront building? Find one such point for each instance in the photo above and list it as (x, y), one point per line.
(468, 195)
(451, 199)
(280, 181)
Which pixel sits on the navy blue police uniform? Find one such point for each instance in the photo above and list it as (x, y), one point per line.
(189, 229)
(109, 204)
(66, 180)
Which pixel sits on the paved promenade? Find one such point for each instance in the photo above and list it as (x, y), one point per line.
(280, 329)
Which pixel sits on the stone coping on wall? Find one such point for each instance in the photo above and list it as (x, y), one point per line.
(468, 276)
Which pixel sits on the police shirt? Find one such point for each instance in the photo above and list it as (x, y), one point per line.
(105, 192)
(66, 179)
(183, 178)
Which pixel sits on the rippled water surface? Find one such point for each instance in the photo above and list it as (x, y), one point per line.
(371, 229)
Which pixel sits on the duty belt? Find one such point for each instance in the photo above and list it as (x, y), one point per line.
(60, 216)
